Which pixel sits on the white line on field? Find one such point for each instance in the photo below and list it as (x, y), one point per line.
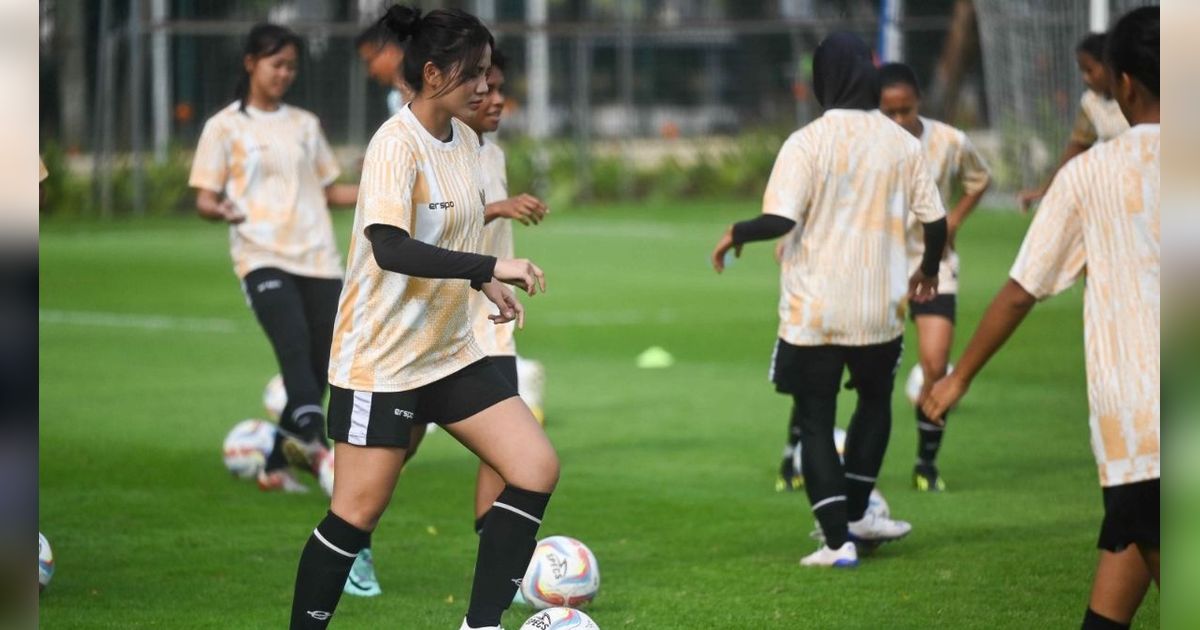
(137, 321)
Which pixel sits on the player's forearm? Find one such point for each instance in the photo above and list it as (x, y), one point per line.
(1006, 312)
(966, 205)
(208, 206)
(935, 235)
(761, 228)
(394, 250)
(493, 211)
(341, 194)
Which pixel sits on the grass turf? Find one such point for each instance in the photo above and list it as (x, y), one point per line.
(149, 355)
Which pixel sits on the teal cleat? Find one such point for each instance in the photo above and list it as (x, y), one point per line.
(361, 581)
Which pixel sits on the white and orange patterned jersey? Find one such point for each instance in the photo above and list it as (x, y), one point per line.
(396, 332)
(952, 159)
(1099, 119)
(495, 340)
(1100, 218)
(849, 180)
(274, 167)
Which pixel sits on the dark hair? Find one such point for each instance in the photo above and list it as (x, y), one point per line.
(898, 74)
(377, 34)
(1093, 45)
(264, 40)
(499, 59)
(445, 37)
(1133, 47)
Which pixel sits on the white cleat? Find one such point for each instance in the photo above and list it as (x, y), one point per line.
(873, 527)
(844, 557)
(466, 627)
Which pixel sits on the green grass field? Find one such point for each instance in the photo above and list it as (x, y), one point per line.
(149, 355)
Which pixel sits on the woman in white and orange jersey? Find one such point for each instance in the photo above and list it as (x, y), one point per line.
(403, 350)
(1099, 118)
(265, 168)
(1101, 217)
(954, 162)
(844, 185)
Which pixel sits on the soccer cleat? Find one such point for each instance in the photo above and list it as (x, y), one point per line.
(280, 480)
(927, 479)
(306, 455)
(873, 528)
(844, 557)
(361, 581)
(789, 478)
(464, 626)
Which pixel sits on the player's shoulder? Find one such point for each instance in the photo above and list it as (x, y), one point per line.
(225, 117)
(464, 133)
(394, 137)
(944, 132)
(890, 133)
(491, 151)
(301, 117)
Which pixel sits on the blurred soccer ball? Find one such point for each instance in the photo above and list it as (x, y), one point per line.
(916, 380)
(562, 572)
(560, 619)
(45, 562)
(531, 385)
(839, 442)
(274, 397)
(247, 447)
(325, 472)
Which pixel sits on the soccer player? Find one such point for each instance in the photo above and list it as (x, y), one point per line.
(403, 351)
(952, 160)
(384, 56)
(265, 168)
(1099, 118)
(1101, 218)
(844, 186)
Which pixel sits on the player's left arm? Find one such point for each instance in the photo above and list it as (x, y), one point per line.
(526, 208)
(344, 195)
(785, 202)
(328, 170)
(1051, 259)
(975, 177)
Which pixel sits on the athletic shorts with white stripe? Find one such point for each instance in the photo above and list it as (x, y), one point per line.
(386, 418)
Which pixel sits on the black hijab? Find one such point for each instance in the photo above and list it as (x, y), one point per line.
(844, 75)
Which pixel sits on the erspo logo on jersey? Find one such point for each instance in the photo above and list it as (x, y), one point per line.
(441, 205)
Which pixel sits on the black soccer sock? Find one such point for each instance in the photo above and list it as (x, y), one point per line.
(479, 523)
(1093, 620)
(324, 566)
(866, 444)
(276, 460)
(929, 439)
(824, 478)
(506, 544)
(793, 442)
(306, 422)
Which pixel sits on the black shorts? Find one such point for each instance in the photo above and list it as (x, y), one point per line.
(1131, 516)
(944, 305)
(386, 418)
(817, 370)
(508, 367)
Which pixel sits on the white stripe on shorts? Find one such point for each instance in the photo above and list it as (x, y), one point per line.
(823, 502)
(774, 355)
(518, 511)
(360, 419)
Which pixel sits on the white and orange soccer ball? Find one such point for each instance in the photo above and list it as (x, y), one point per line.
(45, 562)
(247, 447)
(562, 572)
(274, 397)
(559, 619)
(916, 380)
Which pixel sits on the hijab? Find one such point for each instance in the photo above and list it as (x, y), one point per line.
(844, 74)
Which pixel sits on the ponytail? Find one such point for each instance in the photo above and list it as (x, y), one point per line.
(447, 38)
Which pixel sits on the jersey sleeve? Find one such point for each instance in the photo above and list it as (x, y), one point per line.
(1052, 257)
(973, 171)
(789, 189)
(1083, 131)
(386, 188)
(925, 202)
(324, 162)
(210, 165)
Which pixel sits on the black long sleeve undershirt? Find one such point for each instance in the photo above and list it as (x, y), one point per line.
(936, 234)
(761, 228)
(396, 251)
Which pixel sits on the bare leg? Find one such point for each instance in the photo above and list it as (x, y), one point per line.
(1121, 582)
(488, 485)
(1151, 558)
(364, 478)
(509, 439)
(934, 337)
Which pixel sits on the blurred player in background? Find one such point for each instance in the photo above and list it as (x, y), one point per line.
(384, 56)
(404, 352)
(952, 159)
(1101, 218)
(844, 186)
(1099, 118)
(265, 168)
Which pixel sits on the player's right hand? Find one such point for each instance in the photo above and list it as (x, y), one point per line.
(229, 212)
(524, 208)
(521, 272)
(922, 288)
(942, 396)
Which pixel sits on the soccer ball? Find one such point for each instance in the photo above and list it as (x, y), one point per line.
(916, 380)
(45, 562)
(839, 442)
(274, 397)
(247, 447)
(325, 472)
(531, 385)
(562, 572)
(560, 619)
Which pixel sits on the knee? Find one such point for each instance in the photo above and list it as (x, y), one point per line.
(360, 512)
(538, 473)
